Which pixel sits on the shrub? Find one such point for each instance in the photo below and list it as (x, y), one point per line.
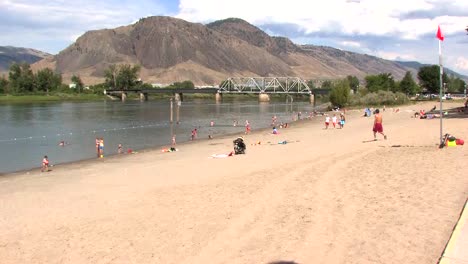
(379, 98)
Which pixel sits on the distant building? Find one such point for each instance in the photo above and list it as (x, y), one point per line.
(72, 86)
(206, 86)
(159, 85)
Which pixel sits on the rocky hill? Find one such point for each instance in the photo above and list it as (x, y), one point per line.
(170, 49)
(9, 55)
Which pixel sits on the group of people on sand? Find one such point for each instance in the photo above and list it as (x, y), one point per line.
(377, 128)
(334, 120)
(426, 115)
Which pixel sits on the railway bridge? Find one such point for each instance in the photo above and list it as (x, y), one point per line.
(263, 86)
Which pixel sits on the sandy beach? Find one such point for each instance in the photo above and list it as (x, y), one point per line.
(327, 196)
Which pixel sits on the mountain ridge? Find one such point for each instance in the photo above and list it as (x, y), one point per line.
(171, 49)
(10, 54)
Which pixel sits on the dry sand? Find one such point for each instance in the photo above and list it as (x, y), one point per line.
(328, 196)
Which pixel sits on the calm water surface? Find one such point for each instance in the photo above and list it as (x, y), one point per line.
(30, 131)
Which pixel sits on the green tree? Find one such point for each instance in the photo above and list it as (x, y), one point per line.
(327, 84)
(47, 80)
(353, 82)
(3, 85)
(383, 81)
(123, 76)
(340, 93)
(21, 78)
(78, 83)
(128, 76)
(311, 84)
(110, 75)
(182, 85)
(187, 85)
(455, 84)
(408, 85)
(429, 76)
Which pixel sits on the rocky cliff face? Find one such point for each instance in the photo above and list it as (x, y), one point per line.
(170, 49)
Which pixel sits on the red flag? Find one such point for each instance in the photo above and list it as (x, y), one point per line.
(439, 34)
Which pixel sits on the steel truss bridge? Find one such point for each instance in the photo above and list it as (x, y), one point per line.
(235, 85)
(266, 85)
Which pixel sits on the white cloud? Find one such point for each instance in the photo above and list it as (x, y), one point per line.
(395, 56)
(397, 29)
(462, 64)
(350, 44)
(62, 21)
(375, 17)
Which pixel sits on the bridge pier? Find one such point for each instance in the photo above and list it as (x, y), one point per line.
(312, 99)
(123, 96)
(143, 97)
(263, 97)
(219, 97)
(178, 97)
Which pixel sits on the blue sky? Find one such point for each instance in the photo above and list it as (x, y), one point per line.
(398, 29)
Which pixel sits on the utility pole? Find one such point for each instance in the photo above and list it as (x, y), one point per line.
(172, 111)
(465, 85)
(178, 110)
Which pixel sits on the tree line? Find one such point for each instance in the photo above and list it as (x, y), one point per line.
(384, 89)
(22, 80)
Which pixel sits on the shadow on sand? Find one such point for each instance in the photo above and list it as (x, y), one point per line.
(282, 262)
(457, 112)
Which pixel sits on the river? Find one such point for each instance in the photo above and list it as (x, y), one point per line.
(30, 131)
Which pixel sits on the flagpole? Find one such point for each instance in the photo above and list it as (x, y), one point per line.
(440, 92)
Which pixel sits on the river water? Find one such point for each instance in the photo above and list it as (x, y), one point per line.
(30, 131)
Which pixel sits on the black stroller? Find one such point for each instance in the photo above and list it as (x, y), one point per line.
(239, 146)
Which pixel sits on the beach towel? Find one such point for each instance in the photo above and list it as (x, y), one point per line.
(221, 155)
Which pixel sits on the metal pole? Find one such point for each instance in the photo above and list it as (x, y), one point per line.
(178, 110)
(465, 91)
(440, 92)
(172, 111)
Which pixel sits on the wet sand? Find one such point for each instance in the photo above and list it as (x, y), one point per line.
(327, 196)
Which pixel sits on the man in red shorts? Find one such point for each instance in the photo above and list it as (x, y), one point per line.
(378, 128)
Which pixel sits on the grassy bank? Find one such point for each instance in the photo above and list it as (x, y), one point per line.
(50, 98)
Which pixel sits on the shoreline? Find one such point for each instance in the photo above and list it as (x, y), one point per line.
(153, 149)
(200, 141)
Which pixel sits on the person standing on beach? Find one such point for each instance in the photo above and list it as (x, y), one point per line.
(247, 127)
(342, 120)
(45, 164)
(119, 149)
(101, 148)
(97, 147)
(173, 140)
(334, 120)
(378, 127)
(327, 121)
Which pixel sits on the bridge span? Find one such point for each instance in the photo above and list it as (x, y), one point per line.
(263, 86)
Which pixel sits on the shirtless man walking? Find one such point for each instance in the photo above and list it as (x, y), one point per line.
(378, 128)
